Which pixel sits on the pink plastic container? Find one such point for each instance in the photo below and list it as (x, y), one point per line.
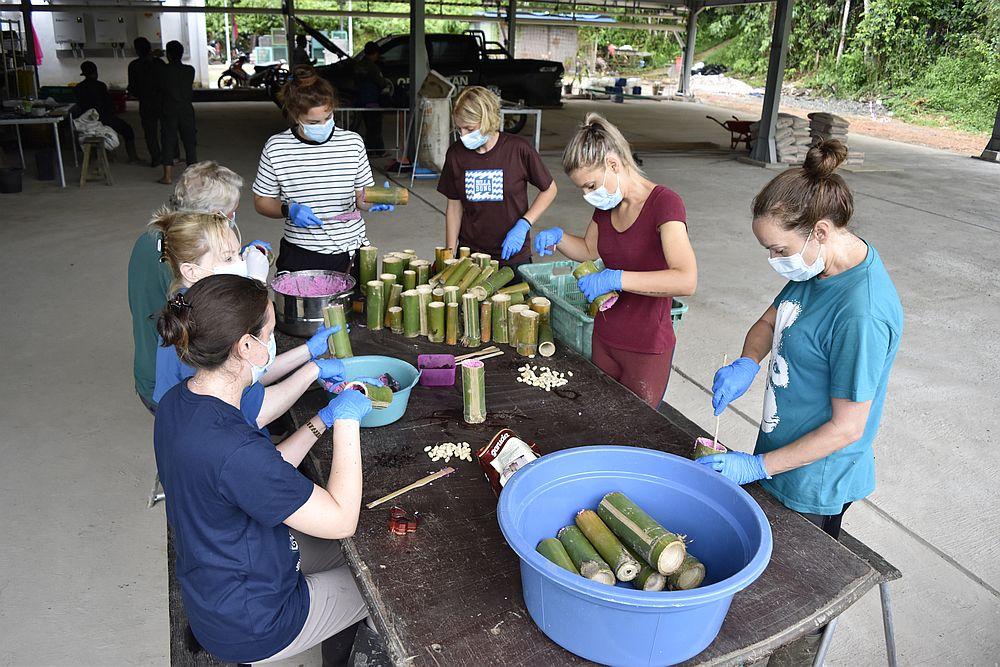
(436, 370)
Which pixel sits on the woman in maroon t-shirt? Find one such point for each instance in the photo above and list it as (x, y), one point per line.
(639, 230)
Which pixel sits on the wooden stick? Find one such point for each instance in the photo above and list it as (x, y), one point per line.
(715, 438)
(485, 350)
(443, 472)
(498, 353)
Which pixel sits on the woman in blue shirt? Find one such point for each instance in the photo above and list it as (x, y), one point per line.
(832, 335)
(253, 589)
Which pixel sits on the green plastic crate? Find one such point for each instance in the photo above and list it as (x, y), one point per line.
(571, 324)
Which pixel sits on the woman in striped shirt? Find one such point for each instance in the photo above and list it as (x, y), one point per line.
(311, 176)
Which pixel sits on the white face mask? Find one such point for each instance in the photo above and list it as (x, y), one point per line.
(257, 372)
(601, 198)
(794, 267)
(237, 268)
(474, 139)
(318, 133)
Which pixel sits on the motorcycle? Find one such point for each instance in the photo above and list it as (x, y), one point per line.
(235, 76)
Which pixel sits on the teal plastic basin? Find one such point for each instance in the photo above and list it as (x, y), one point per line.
(373, 366)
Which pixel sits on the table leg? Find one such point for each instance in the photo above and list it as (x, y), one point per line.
(72, 138)
(890, 633)
(824, 644)
(62, 174)
(20, 148)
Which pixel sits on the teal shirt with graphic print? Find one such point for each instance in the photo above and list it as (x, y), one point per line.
(834, 337)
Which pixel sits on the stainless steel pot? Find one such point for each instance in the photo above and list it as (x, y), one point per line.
(303, 315)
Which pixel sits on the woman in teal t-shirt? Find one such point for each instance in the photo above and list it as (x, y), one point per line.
(832, 334)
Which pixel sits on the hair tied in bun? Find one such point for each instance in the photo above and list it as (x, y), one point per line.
(179, 304)
(824, 158)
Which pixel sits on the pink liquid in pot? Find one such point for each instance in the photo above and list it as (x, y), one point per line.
(293, 285)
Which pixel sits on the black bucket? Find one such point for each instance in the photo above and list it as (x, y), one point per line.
(45, 162)
(10, 179)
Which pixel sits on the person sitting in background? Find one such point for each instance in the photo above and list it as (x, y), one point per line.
(261, 572)
(175, 82)
(93, 94)
(142, 74)
(300, 54)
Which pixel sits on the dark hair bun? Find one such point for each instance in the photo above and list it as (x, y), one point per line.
(304, 76)
(824, 158)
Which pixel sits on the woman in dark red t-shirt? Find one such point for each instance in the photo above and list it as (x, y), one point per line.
(639, 230)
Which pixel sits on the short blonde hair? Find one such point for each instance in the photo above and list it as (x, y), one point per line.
(208, 187)
(593, 142)
(478, 106)
(188, 236)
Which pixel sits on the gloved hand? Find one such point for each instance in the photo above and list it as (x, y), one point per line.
(732, 381)
(351, 405)
(739, 467)
(330, 370)
(546, 241)
(602, 282)
(375, 208)
(257, 264)
(514, 240)
(318, 344)
(303, 216)
(263, 245)
(377, 382)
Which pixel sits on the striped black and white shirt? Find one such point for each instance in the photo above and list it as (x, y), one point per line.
(322, 176)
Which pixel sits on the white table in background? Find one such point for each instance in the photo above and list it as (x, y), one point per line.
(40, 120)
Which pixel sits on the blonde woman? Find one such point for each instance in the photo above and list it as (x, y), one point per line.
(639, 230)
(485, 178)
(198, 245)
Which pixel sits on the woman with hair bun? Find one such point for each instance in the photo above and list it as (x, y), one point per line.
(311, 176)
(832, 335)
(261, 572)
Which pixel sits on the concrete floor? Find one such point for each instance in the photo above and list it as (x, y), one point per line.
(82, 566)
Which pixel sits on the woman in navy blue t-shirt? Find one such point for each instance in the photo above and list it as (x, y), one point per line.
(257, 584)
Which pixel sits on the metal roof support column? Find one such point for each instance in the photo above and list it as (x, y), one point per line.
(511, 26)
(687, 60)
(764, 150)
(288, 9)
(418, 72)
(992, 151)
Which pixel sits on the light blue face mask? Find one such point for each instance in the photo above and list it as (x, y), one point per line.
(601, 198)
(257, 372)
(474, 139)
(318, 133)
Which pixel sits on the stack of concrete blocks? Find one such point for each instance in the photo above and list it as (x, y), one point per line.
(791, 138)
(824, 126)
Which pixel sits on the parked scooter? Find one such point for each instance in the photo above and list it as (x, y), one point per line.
(235, 76)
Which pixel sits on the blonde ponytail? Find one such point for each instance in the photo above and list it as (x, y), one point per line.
(593, 142)
(187, 237)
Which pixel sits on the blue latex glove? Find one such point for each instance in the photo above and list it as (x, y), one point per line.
(303, 216)
(602, 282)
(732, 381)
(258, 244)
(331, 370)
(372, 381)
(318, 344)
(514, 240)
(375, 208)
(351, 405)
(739, 467)
(546, 241)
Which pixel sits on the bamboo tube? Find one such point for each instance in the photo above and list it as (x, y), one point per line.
(584, 556)
(410, 251)
(512, 315)
(451, 294)
(451, 323)
(527, 333)
(396, 195)
(381, 397)
(485, 321)
(460, 270)
(376, 301)
(622, 564)
(394, 265)
(648, 579)
(689, 575)
(411, 313)
(470, 316)
(652, 542)
(469, 278)
(543, 307)
(474, 391)
(481, 259)
(500, 303)
(438, 294)
(439, 277)
(706, 447)
(388, 280)
(407, 257)
(602, 302)
(394, 299)
(483, 276)
(424, 298)
(435, 316)
(516, 298)
(496, 280)
(554, 550)
(464, 251)
(440, 255)
(423, 269)
(395, 314)
(495, 263)
(367, 263)
(340, 342)
(546, 346)
(409, 279)
(519, 288)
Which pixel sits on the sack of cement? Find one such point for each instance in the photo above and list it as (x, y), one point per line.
(828, 118)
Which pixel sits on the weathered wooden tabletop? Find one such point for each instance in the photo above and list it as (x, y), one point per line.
(450, 594)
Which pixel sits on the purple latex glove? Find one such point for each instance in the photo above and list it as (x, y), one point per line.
(351, 405)
(739, 467)
(732, 381)
(318, 344)
(602, 282)
(330, 370)
(514, 240)
(303, 216)
(546, 241)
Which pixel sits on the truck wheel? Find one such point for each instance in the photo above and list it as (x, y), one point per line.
(514, 123)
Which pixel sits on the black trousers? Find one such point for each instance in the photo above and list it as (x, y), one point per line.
(296, 258)
(121, 127)
(172, 124)
(829, 524)
(149, 116)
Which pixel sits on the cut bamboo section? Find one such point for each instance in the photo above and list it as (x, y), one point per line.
(611, 549)
(512, 315)
(497, 279)
(396, 195)
(451, 323)
(543, 307)
(519, 288)
(445, 273)
(375, 304)
(485, 321)
(554, 550)
(441, 254)
(438, 294)
(451, 294)
(481, 259)
(411, 313)
(527, 333)
(470, 316)
(648, 579)
(517, 298)
(689, 575)
(602, 302)
(500, 303)
(464, 251)
(340, 342)
(655, 544)
(495, 264)
(395, 315)
(460, 270)
(585, 557)
(409, 279)
(546, 345)
(394, 265)
(474, 391)
(395, 297)
(423, 270)
(706, 447)
(424, 298)
(470, 277)
(388, 280)
(367, 263)
(435, 316)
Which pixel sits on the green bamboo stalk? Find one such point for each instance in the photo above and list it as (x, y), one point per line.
(602, 302)
(469, 278)
(438, 294)
(500, 303)
(546, 345)
(435, 315)
(519, 288)
(395, 314)
(512, 315)
(424, 298)
(527, 333)
(464, 251)
(411, 313)
(394, 265)
(340, 342)
(648, 579)
(423, 269)
(474, 391)
(482, 259)
(451, 294)
(554, 550)
(495, 263)
(706, 447)
(689, 575)
(445, 273)
(367, 263)
(460, 270)
(498, 279)
(451, 323)
(516, 298)
(622, 564)
(394, 300)
(440, 255)
(407, 257)
(470, 316)
(381, 397)
(388, 280)
(485, 321)
(409, 279)
(375, 298)
(483, 277)
(584, 556)
(655, 544)
(543, 307)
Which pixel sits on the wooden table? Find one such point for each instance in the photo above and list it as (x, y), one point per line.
(450, 594)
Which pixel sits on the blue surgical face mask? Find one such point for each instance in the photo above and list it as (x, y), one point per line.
(794, 266)
(474, 139)
(257, 372)
(318, 133)
(601, 198)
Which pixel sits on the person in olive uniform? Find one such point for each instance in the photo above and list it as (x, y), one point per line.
(93, 94)
(175, 81)
(142, 74)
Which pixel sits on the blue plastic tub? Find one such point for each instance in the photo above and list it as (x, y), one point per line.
(373, 366)
(725, 529)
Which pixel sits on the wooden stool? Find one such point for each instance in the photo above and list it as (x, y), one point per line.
(95, 144)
